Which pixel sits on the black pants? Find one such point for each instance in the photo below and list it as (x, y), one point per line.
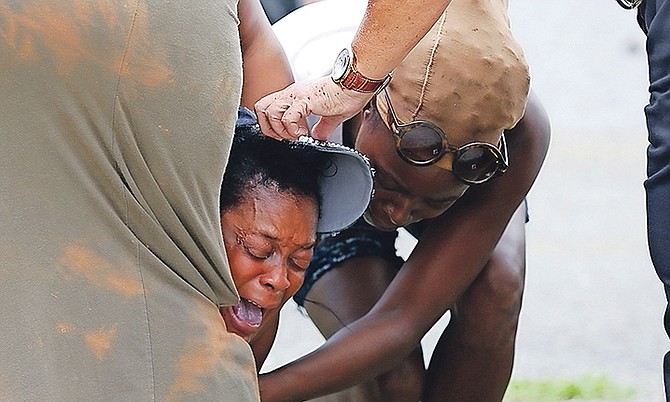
(654, 18)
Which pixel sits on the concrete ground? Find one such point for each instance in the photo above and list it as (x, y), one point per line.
(593, 304)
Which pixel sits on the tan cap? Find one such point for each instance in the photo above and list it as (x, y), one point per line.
(468, 75)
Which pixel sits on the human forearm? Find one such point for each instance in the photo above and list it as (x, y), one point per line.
(357, 353)
(389, 30)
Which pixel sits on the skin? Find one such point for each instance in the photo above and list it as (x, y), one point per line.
(281, 114)
(269, 238)
(470, 260)
(260, 48)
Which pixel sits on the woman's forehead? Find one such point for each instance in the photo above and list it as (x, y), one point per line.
(275, 212)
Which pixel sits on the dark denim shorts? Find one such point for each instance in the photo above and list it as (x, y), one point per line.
(360, 240)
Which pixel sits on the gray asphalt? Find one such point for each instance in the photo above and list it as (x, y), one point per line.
(593, 304)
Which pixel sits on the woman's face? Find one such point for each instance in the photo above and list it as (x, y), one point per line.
(269, 237)
(404, 194)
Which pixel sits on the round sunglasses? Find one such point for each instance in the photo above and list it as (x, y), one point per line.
(422, 143)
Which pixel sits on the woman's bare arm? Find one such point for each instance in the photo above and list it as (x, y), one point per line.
(265, 66)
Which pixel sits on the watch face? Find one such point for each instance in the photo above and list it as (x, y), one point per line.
(341, 65)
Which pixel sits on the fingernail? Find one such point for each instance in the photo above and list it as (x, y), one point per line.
(302, 130)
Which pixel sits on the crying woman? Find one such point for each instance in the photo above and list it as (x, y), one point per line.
(276, 198)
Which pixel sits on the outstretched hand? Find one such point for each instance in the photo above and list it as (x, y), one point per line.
(282, 114)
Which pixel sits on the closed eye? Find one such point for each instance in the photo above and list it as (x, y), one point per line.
(302, 259)
(300, 264)
(440, 204)
(257, 253)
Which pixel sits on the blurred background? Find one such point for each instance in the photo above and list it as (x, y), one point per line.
(593, 305)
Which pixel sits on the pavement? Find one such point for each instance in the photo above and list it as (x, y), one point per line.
(592, 304)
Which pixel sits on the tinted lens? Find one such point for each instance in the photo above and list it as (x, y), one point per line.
(475, 164)
(421, 144)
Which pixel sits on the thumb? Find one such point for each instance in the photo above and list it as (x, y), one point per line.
(325, 127)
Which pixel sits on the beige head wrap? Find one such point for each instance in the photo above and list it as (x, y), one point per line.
(468, 75)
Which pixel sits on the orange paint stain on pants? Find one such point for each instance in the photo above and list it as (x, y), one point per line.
(100, 341)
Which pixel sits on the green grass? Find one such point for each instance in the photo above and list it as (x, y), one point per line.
(586, 387)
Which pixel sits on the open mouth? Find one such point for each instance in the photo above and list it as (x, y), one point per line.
(248, 312)
(244, 318)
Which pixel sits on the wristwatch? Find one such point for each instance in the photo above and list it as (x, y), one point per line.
(345, 75)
